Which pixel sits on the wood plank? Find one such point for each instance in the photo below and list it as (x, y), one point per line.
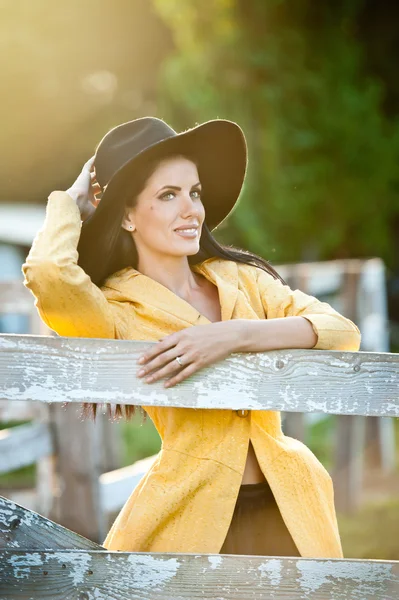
(374, 325)
(23, 445)
(77, 370)
(143, 576)
(21, 411)
(325, 277)
(116, 486)
(111, 443)
(350, 432)
(78, 467)
(22, 529)
(347, 473)
(294, 423)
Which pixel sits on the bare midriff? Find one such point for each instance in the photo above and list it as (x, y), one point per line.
(208, 304)
(252, 471)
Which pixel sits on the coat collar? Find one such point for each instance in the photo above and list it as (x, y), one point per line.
(132, 286)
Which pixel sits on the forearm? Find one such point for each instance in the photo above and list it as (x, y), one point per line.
(67, 300)
(276, 334)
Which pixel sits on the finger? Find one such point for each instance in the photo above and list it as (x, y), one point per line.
(95, 201)
(183, 374)
(88, 164)
(171, 368)
(158, 362)
(96, 188)
(166, 344)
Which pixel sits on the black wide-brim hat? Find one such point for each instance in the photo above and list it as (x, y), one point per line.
(218, 147)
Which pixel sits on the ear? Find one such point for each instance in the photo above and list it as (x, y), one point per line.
(128, 222)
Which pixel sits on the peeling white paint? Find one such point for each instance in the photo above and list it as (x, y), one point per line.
(150, 572)
(371, 576)
(5, 515)
(21, 564)
(288, 394)
(63, 370)
(215, 561)
(273, 569)
(340, 363)
(78, 561)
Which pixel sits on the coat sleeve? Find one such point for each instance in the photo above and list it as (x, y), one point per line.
(65, 297)
(333, 330)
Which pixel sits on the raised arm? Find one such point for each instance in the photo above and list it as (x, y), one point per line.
(333, 330)
(65, 297)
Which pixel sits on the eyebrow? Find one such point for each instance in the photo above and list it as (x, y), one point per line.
(175, 187)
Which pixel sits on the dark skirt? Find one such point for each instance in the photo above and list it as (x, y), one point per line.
(257, 526)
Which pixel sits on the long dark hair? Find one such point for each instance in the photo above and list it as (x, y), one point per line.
(119, 251)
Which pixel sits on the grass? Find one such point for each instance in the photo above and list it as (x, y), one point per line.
(373, 532)
(20, 478)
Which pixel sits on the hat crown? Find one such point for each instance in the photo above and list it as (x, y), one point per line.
(126, 141)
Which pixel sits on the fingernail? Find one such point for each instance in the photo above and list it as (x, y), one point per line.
(140, 373)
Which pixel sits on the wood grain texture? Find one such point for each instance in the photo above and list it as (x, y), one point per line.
(22, 529)
(101, 370)
(78, 466)
(103, 575)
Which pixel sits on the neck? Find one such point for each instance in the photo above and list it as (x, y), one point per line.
(172, 272)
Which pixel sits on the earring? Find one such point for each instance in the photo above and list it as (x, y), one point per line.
(130, 226)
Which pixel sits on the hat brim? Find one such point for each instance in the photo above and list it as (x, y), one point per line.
(220, 151)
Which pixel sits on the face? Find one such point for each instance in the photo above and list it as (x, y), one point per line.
(171, 199)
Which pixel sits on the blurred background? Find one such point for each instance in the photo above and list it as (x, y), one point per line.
(314, 86)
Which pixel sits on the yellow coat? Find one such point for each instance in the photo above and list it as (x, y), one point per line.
(186, 500)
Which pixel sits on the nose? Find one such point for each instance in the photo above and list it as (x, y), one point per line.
(189, 206)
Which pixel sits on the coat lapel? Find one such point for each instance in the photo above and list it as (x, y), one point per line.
(224, 274)
(133, 286)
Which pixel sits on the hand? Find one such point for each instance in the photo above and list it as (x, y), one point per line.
(198, 347)
(85, 189)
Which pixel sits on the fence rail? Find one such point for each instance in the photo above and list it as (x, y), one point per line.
(101, 370)
(41, 559)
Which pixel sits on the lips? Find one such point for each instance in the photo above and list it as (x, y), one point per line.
(187, 227)
(190, 233)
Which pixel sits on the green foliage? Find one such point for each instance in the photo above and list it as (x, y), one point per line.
(320, 440)
(139, 440)
(322, 156)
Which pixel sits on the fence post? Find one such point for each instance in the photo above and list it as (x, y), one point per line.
(349, 443)
(78, 451)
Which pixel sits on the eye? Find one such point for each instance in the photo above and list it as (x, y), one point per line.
(166, 194)
(197, 193)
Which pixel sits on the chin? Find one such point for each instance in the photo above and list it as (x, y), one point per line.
(193, 249)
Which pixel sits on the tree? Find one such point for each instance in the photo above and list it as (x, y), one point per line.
(322, 154)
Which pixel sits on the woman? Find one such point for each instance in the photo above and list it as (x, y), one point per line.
(145, 266)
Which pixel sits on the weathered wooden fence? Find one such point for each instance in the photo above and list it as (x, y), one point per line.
(361, 447)
(357, 289)
(52, 442)
(40, 559)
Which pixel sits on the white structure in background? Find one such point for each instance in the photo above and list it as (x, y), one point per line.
(19, 224)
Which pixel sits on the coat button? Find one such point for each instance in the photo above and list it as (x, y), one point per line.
(242, 413)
